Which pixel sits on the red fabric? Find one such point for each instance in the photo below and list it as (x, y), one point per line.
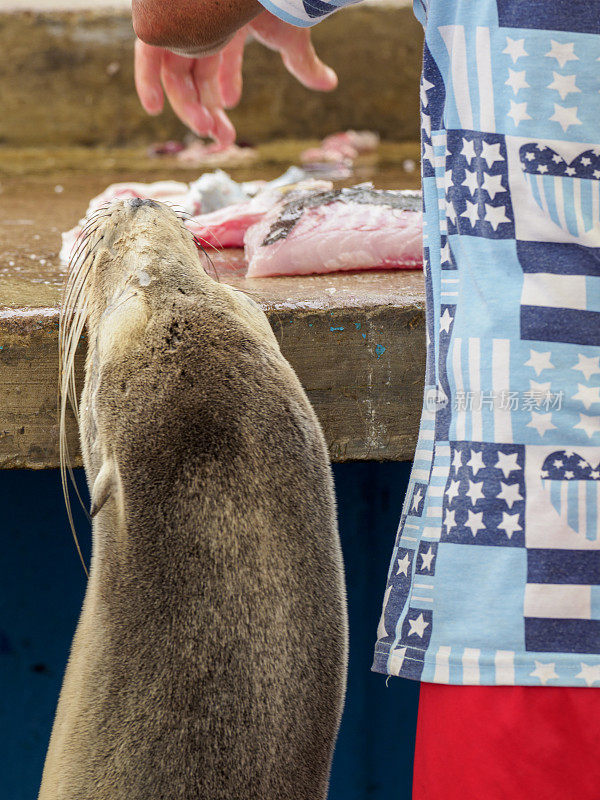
(507, 743)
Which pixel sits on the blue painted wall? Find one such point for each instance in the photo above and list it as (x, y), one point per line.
(42, 585)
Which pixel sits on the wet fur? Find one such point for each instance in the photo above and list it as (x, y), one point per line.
(209, 661)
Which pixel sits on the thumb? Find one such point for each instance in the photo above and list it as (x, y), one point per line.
(303, 63)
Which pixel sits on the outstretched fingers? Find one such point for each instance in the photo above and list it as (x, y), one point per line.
(207, 76)
(147, 65)
(230, 70)
(302, 61)
(180, 84)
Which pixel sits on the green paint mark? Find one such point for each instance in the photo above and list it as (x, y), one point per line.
(310, 324)
(357, 325)
(380, 350)
(336, 329)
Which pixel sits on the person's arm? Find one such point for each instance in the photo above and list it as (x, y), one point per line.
(191, 27)
(192, 50)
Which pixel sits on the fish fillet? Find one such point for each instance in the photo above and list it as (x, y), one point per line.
(348, 229)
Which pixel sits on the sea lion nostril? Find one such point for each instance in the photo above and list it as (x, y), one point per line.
(138, 202)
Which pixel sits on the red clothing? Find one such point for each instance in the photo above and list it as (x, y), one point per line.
(507, 743)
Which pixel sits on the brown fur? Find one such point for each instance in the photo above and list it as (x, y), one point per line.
(209, 661)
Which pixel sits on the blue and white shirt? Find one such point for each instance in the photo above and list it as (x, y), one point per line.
(495, 573)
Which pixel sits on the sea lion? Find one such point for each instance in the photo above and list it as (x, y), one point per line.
(210, 657)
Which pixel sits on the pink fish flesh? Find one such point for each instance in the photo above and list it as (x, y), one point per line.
(224, 227)
(347, 229)
(342, 147)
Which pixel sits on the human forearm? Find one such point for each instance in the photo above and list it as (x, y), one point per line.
(191, 27)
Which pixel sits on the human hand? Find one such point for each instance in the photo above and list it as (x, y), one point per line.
(200, 89)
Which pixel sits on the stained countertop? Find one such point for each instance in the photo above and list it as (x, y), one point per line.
(356, 340)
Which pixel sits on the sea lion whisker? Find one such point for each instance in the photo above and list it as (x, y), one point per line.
(84, 233)
(74, 258)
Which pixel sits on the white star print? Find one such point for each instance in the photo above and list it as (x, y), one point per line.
(403, 565)
(492, 184)
(541, 422)
(451, 212)
(418, 496)
(509, 493)
(590, 425)
(515, 48)
(468, 150)
(516, 80)
(426, 123)
(490, 153)
(428, 153)
(509, 524)
(564, 84)
(417, 626)
(447, 180)
(562, 52)
(471, 181)
(539, 361)
(565, 116)
(587, 394)
(446, 321)
(545, 672)
(425, 86)
(471, 213)
(495, 215)
(453, 490)
(449, 520)
(507, 462)
(589, 673)
(518, 111)
(427, 558)
(474, 521)
(589, 365)
(457, 460)
(445, 253)
(475, 462)
(475, 491)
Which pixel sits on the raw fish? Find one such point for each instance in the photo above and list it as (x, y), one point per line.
(346, 229)
(342, 147)
(209, 193)
(227, 226)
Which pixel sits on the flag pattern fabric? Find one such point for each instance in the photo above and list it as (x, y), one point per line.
(495, 574)
(495, 571)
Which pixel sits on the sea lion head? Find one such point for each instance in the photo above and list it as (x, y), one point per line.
(133, 263)
(140, 249)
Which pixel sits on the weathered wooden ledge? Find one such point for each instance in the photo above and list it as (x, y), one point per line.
(356, 340)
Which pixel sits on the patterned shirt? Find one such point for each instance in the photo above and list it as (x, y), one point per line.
(495, 572)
